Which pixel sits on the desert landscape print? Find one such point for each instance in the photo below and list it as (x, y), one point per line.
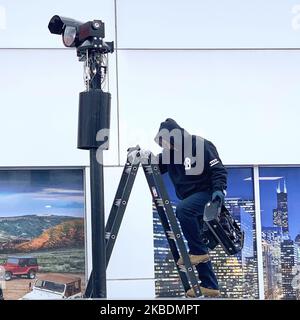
(42, 217)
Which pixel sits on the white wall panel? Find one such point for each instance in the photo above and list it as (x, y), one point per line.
(208, 23)
(131, 289)
(39, 109)
(246, 102)
(24, 24)
(133, 254)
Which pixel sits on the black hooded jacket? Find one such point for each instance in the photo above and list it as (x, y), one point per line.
(199, 169)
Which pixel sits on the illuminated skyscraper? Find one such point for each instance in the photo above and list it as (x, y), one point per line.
(296, 273)
(280, 253)
(280, 214)
(268, 271)
(167, 281)
(297, 249)
(229, 272)
(287, 268)
(271, 250)
(237, 275)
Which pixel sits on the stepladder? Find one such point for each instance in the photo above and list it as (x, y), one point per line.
(136, 157)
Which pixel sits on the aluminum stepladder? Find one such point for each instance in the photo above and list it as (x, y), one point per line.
(135, 158)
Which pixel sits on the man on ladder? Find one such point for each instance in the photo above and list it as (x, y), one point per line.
(199, 176)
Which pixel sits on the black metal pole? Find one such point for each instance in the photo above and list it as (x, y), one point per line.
(98, 225)
(98, 212)
(93, 125)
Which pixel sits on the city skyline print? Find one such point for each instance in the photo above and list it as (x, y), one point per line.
(279, 189)
(279, 197)
(237, 275)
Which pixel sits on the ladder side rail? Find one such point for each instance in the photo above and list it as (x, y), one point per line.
(88, 293)
(175, 228)
(116, 214)
(119, 193)
(120, 211)
(167, 228)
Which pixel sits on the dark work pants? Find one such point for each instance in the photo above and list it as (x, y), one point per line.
(189, 212)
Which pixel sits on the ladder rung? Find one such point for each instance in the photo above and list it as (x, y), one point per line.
(127, 170)
(148, 169)
(171, 235)
(184, 269)
(117, 202)
(154, 192)
(159, 202)
(108, 236)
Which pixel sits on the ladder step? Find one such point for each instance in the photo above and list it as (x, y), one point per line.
(184, 269)
(117, 202)
(108, 236)
(171, 235)
(159, 202)
(128, 169)
(154, 192)
(148, 169)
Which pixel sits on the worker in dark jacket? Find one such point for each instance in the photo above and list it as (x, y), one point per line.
(199, 176)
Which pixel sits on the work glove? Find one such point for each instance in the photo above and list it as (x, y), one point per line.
(218, 194)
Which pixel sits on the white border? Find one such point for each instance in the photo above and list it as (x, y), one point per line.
(260, 268)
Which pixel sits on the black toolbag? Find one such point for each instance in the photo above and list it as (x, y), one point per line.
(221, 228)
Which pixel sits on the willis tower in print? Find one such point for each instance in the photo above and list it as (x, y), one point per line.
(280, 214)
(287, 245)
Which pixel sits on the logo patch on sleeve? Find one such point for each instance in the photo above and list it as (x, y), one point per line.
(213, 162)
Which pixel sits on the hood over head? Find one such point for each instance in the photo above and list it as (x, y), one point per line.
(172, 132)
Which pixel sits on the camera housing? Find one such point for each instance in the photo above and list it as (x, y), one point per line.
(81, 35)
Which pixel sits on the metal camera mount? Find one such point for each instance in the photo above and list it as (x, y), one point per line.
(94, 118)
